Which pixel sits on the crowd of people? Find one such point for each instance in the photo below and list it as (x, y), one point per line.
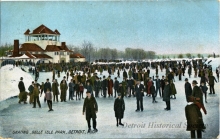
(136, 82)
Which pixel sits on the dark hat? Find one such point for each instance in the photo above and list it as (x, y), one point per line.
(103, 76)
(165, 80)
(64, 77)
(32, 82)
(88, 92)
(21, 78)
(119, 94)
(47, 79)
(157, 76)
(194, 82)
(186, 79)
(115, 77)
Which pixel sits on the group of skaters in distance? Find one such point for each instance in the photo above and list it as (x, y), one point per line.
(136, 82)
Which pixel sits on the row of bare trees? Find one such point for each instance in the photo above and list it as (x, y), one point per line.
(92, 53)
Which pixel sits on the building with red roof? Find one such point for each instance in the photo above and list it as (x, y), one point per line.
(43, 43)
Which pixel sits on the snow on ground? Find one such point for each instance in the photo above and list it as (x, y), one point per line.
(68, 116)
(9, 81)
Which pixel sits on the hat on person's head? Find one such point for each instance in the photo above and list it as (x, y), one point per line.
(21, 78)
(115, 77)
(165, 80)
(47, 79)
(64, 76)
(32, 82)
(194, 82)
(103, 76)
(119, 94)
(186, 79)
(157, 76)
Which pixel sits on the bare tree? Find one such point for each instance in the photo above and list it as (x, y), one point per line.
(87, 50)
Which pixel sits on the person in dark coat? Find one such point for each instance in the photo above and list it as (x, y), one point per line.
(139, 92)
(22, 94)
(197, 92)
(194, 120)
(119, 108)
(116, 86)
(104, 86)
(153, 92)
(157, 82)
(204, 89)
(71, 89)
(90, 107)
(162, 84)
(166, 95)
(212, 81)
(188, 89)
(121, 90)
(47, 85)
(55, 90)
(125, 74)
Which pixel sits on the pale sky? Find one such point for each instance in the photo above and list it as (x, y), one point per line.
(163, 26)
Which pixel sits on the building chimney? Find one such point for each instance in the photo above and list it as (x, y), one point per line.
(16, 48)
(63, 44)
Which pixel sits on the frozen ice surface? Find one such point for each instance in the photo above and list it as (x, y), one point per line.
(68, 116)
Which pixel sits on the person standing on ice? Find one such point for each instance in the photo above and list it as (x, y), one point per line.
(63, 89)
(37, 74)
(188, 89)
(49, 99)
(204, 89)
(116, 86)
(157, 81)
(71, 89)
(55, 90)
(173, 90)
(90, 107)
(166, 95)
(212, 81)
(104, 86)
(119, 108)
(47, 85)
(22, 94)
(217, 73)
(30, 89)
(189, 70)
(36, 93)
(153, 92)
(139, 92)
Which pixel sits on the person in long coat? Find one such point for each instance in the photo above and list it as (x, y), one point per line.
(119, 108)
(149, 84)
(90, 107)
(166, 95)
(153, 91)
(55, 90)
(139, 92)
(63, 88)
(116, 86)
(30, 89)
(22, 94)
(36, 93)
(110, 86)
(194, 120)
(173, 89)
(188, 89)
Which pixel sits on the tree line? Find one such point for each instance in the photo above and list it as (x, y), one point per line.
(93, 53)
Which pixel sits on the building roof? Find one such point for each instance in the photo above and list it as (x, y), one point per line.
(27, 32)
(76, 55)
(29, 54)
(57, 32)
(42, 29)
(42, 56)
(53, 48)
(30, 47)
(64, 47)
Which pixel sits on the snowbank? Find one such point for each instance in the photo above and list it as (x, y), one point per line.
(9, 80)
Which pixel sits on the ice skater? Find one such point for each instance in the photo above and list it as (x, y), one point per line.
(119, 108)
(90, 107)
